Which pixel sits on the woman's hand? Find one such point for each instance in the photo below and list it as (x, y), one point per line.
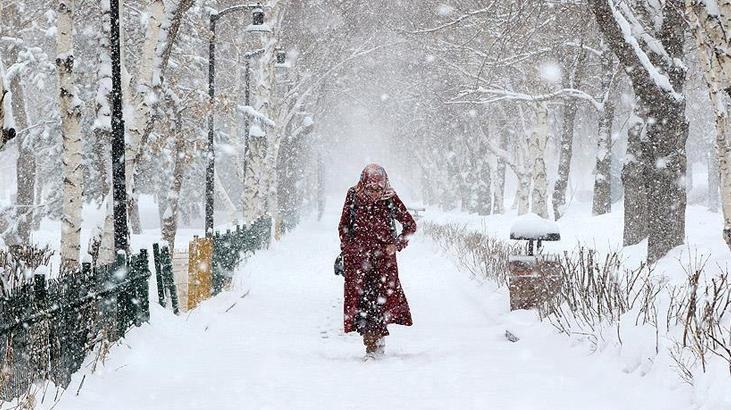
(390, 249)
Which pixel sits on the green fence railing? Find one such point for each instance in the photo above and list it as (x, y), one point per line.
(231, 247)
(47, 327)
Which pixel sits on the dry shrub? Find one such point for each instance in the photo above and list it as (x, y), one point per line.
(19, 262)
(480, 255)
(596, 291)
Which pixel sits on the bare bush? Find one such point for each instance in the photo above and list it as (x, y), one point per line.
(482, 256)
(19, 262)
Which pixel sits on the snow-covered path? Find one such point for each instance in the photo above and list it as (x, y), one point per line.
(281, 346)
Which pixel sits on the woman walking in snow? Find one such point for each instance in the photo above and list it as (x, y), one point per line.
(369, 242)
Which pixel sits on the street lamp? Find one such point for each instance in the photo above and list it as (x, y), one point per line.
(257, 24)
(119, 188)
(257, 16)
(281, 56)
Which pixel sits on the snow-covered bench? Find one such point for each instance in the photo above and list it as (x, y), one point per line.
(533, 278)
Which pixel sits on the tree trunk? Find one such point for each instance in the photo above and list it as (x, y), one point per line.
(483, 185)
(667, 198)
(25, 166)
(709, 30)
(713, 201)
(170, 216)
(7, 133)
(659, 91)
(539, 205)
(566, 146)
(254, 197)
(564, 159)
(103, 123)
(498, 206)
(633, 181)
(70, 116)
(145, 97)
(602, 200)
(320, 188)
(26, 163)
(522, 195)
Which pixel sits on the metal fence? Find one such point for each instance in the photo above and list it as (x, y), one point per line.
(229, 248)
(47, 327)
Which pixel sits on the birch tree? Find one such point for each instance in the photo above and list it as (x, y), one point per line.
(602, 199)
(537, 149)
(710, 23)
(572, 77)
(7, 132)
(70, 109)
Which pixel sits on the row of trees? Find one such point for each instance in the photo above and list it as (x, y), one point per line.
(475, 96)
(56, 66)
(551, 91)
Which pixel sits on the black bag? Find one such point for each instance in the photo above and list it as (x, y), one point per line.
(339, 265)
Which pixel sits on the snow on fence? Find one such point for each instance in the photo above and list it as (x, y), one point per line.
(47, 327)
(600, 299)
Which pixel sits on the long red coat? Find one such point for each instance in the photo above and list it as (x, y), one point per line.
(364, 253)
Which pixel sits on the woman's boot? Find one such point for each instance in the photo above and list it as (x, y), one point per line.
(370, 341)
(381, 346)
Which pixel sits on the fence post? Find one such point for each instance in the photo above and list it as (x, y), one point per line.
(119, 274)
(201, 253)
(41, 349)
(158, 274)
(141, 288)
(167, 277)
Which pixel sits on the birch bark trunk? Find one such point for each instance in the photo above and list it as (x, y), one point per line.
(103, 108)
(566, 146)
(144, 101)
(713, 200)
(539, 203)
(6, 133)
(70, 111)
(170, 215)
(498, 206)
(709, 31)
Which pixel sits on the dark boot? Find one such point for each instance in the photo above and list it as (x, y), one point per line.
(370, 341)
(381, 346)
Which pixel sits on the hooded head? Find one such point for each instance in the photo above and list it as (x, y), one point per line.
(373, 185)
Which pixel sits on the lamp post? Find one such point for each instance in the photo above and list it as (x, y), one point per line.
(119, 189)
(257, 20)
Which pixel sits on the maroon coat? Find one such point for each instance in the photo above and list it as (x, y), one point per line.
(365, 257)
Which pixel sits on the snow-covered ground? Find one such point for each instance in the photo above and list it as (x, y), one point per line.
(276, 341)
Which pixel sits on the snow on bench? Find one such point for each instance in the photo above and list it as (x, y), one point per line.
(533, 227)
